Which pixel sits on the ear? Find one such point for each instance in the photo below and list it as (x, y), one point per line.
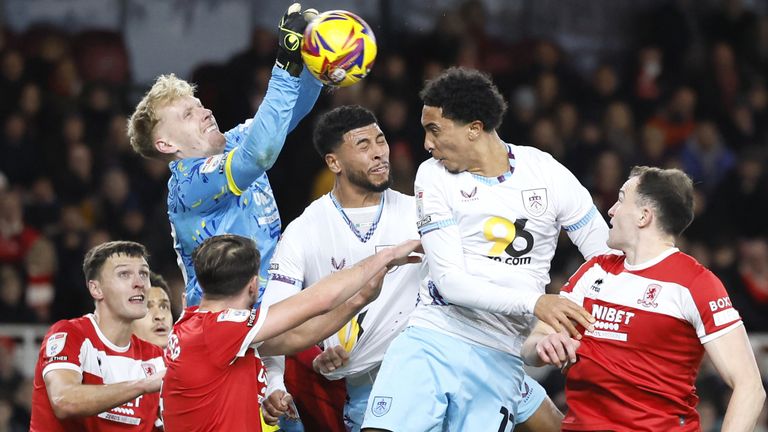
(646, 217)
(475, 129)
(164, 146)
(333, 163)
(253, 287)
(94, 287)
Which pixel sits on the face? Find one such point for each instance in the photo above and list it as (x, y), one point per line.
(363, 158)
(187, 129)
(121, 287)
(156, 324)
(446, 140)
(624, 214)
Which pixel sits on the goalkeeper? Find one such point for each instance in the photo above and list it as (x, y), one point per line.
(218, 180)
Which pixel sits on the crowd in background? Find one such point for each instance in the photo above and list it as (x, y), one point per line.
(691, 92)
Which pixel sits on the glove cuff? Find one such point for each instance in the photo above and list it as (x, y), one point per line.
(293, 68)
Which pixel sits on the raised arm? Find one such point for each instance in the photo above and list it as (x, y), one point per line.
(71, 398)
(733, 358)
(327, 294)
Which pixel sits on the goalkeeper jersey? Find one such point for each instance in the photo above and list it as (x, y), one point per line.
(230, 193)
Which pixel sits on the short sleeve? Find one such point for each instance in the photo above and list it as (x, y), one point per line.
(432, 208)
(61, 348)
(573, 202)
(711, 314)
(229, 333)
(576, 287)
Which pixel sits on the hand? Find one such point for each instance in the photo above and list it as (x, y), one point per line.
(558, 349)
(558, 311)
(401, 253)
(330, 359)
(371, 290)
(279, 403)
(153, 382)
(290, 36)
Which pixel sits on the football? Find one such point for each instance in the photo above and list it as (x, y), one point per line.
(339, 48)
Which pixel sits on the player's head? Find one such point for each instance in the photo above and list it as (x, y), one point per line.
(117, 275)
(354, 147)
(460, 106)
(156, 324)
(171, 123)
(225, 265)
(653, 200)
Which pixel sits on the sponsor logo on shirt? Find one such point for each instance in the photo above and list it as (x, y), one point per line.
(381, 405)
(508, 238)
(650, 296)
(251, 318)
(609, 322)
(338, 265)
(55, 344)
(213, 163)
(594, 289)
(233, 315)
(173, 349)
(535, 201)
(469, 196)
(274, 267)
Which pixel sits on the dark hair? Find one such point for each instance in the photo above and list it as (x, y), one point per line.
(335, 123)
(466, 95)
(670, 193)
(224, 264)
(96, 257)
(157, 280)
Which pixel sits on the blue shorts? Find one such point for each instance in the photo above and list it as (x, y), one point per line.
(430, 381)
(532, 394)
(354, 409)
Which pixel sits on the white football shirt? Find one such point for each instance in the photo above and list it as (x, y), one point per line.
(324, 239)
(489, 243)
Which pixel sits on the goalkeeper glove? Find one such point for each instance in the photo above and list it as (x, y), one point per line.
(291, 34)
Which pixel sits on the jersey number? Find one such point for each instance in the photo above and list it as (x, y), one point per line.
(503, 233)
(506, 417)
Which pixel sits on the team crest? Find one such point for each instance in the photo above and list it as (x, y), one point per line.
(535, 201)
(381, 405)
(338, 265)
(650, 296)
(55, 344)
(149, 369)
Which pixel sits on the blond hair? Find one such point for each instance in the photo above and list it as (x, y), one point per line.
(141, 124)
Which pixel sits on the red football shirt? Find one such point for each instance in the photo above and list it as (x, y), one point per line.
(636, 371)
(215, 378)
(80, 346)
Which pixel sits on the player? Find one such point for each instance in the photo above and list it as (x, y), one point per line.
(92, 374)
(489, 217)
(157, 323)
(359, 216)
(218, 181)
(212, 351)
(658, 310)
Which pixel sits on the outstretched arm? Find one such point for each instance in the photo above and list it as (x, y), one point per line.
(71, 398)
(733, 357)
(327, 294)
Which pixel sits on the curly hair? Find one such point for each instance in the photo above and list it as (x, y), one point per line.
(335, 123)
(466, 95)
(141, 124)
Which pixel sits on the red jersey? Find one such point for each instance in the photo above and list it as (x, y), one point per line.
(215, 378)
(636, 371)
(79, 345)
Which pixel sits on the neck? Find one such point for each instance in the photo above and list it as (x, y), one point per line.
(490, 156)
(352, 196)
(116, 330)
(241, 301)
(648, 247)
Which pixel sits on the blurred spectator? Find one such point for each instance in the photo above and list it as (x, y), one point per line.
(619, 127)
(676, 118)
(13, 308)
(10, 376)
(741, 198)
(732, 23)
(705, 158)
(20, 155)
(749, 292)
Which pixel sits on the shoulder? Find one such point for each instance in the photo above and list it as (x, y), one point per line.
(431, 167)
(399, 199)
(310, 215)
(144, 349)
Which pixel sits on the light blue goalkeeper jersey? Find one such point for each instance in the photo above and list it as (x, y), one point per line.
(230, 193)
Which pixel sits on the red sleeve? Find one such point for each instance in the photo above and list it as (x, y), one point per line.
(576, 277)
(713, 312)
(61, 347)
(230, 333)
